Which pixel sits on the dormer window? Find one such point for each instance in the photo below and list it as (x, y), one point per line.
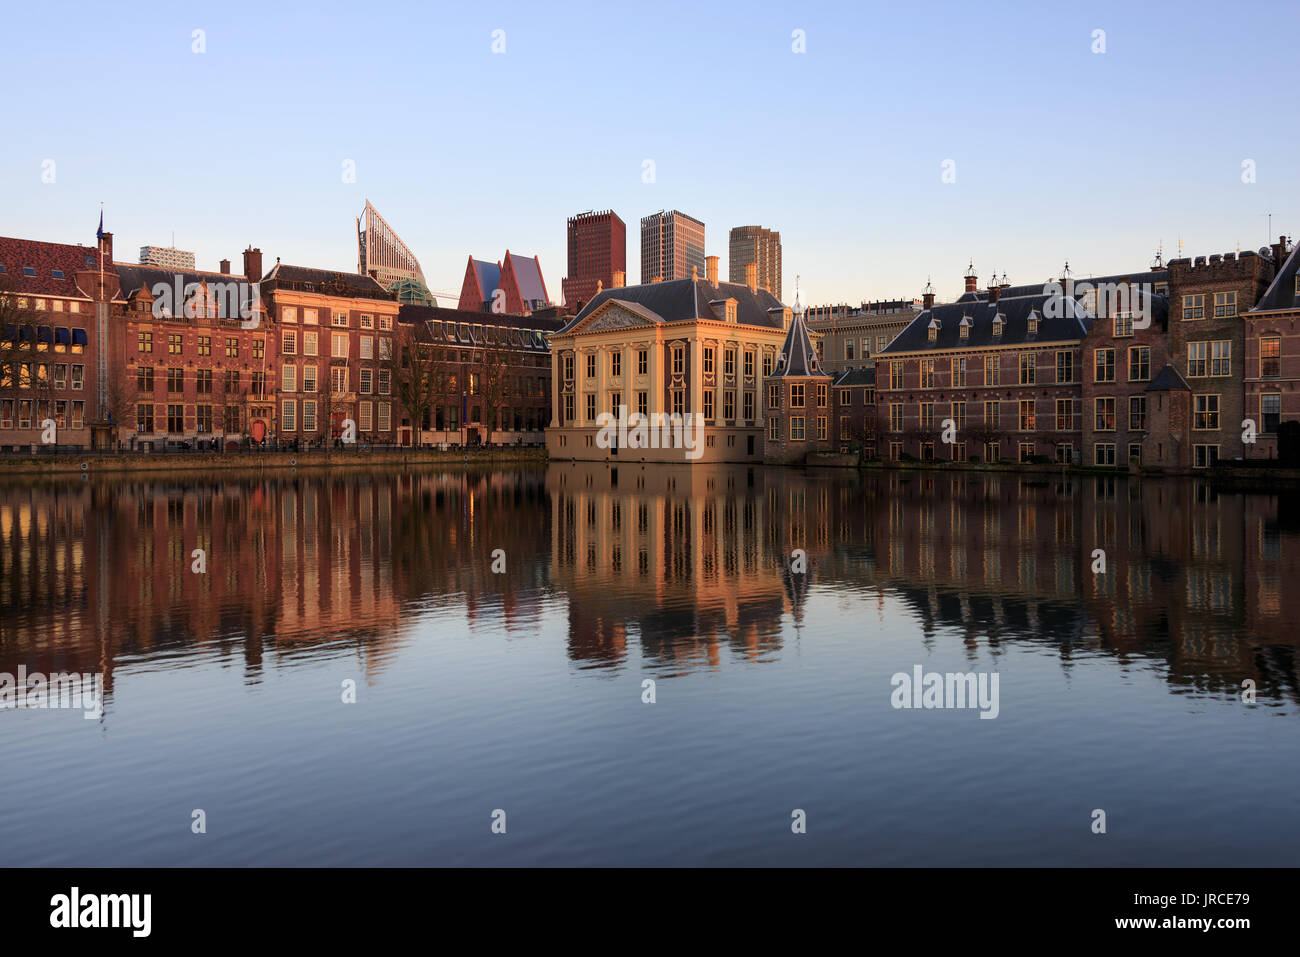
(934, 330)
(997, 324)
(965, 327)
(1033, 323)
(731, 311)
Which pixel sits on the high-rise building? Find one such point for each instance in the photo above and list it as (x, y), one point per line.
(754, 244)
(597, 250)
(383, 256)
(672, 245)
(166, 257)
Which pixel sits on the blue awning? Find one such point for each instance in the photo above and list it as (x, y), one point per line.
(62, 336)
(44, 334)
(79, 337)
(27, 334)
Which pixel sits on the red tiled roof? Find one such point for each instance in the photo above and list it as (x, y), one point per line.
(44, 259)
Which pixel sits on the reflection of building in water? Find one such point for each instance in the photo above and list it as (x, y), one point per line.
(689, 559)
(89, 573)
(684, 561)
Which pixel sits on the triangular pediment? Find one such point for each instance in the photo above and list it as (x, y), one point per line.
(616, 314)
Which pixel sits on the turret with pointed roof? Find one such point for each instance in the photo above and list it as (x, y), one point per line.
(798, 399)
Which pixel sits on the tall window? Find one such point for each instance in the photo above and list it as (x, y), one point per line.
(959, 372)
(1205, 415)
(896, 374)
(991, 373)
(642, 361)
(1270, 412)
(1104, 365)
(1270, 356)
(1104, 413)
(1221, 358)
(796, 395)
(1065, 367)
(1197, 363)
(1194, 306)
(1027, 361)
(1027, 423)
(1139, 363)
(1137, 413)
(927, 373)
(1225, 304)
(993, 414)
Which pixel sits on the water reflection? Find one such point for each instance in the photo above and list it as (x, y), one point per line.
(682, 568)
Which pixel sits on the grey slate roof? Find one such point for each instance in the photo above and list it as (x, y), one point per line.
(1281, 293)
(1070, 325)
(1152, 276)
(1169, 380)
(797, 358)
(310, 279)
(413, 314)
(679, 299)
(133, 276)
(855, 377)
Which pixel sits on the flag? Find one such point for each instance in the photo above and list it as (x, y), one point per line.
(99, 234)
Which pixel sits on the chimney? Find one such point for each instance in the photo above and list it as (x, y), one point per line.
(253, 264)
(972, 279)
(927, 296)
(1279, 251)
(225, 267)
(620, 279)
(106, 247)
(711, 264)
(695, 274)
(751, 276)
(600, 286)
(995, 291)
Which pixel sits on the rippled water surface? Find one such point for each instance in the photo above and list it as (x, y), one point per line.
(522, 690)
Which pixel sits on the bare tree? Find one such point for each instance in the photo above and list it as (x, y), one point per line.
(416, 381)
(491, 369)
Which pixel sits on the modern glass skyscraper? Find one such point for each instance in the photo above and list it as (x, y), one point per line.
(672, 244)
(754, 244)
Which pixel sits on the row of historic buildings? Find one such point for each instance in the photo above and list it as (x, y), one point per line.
(1178, 366)
(100, 353)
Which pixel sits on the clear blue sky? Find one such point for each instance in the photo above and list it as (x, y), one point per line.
(1060, 153)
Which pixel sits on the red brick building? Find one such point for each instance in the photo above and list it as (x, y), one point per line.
(1123, 353)
(1272, 366)
(480, 378)
(49, 343)
(335, 336)
(597, 249)
(988, 377)
(1209, 297)
(192, 359)
(798, 399)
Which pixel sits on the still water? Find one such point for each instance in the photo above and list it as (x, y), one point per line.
(521, 687)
